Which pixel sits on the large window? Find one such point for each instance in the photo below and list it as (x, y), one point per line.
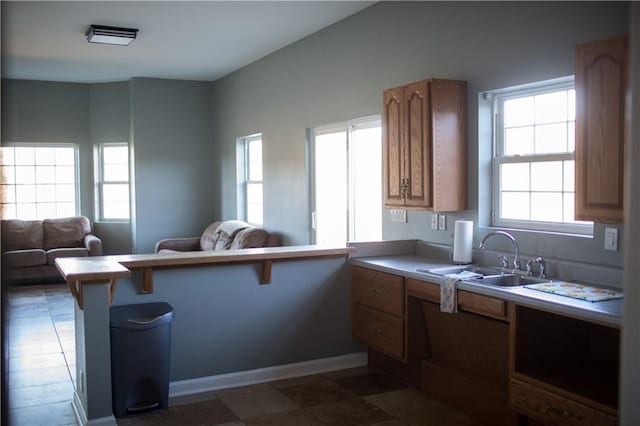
(39, 181)
(346, 181)
(533, 164)
(112, 183)
(250, 179)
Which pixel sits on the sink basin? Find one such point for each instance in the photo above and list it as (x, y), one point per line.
(445, 270)
(509, 280)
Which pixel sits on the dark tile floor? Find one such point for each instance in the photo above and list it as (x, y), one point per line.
(42, 369)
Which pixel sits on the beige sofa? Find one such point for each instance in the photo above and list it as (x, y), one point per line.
(30, 247)
(227, 235)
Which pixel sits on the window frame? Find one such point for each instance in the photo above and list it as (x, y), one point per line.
(243, 206)
(76, 167)
(498, 158)
(100, 182)
(348, 126)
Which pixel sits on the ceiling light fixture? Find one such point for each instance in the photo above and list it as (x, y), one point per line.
(111, 35)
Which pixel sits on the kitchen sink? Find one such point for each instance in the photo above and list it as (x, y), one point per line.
(509, 280)
(445, 270)
(490, 275)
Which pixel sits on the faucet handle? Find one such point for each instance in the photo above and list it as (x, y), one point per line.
(516, 264)
(529, 267)
(505, 261)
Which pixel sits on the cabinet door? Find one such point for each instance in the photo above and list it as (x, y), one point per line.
(392, 124)
(601, 68)
(449, 144)
(418, 168)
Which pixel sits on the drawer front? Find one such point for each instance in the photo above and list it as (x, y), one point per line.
(483, 305)
(378, 290)
(381, 331)
(551, 409)
(423, 290)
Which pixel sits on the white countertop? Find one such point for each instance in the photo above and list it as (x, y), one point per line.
(606, 312)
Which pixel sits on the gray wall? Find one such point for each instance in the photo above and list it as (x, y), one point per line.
(339, 73)
(304, 314)
(46, 112)
(173, 160)
(168, 125)
(109, 123)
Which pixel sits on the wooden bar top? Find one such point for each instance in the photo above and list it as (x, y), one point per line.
(78, 271)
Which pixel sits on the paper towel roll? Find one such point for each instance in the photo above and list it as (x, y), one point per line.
(462, 241)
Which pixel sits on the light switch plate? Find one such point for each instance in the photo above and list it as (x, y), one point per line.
(442, 222)
(611, 239)
(434, 221)
(398, 215)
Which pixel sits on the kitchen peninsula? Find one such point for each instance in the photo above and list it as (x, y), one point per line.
(230, 328)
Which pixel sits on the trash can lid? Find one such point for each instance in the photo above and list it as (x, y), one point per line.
(141, 315)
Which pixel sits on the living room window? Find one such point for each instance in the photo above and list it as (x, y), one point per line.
(346, 181)
(112, 182)
(250, 179)
(39, 181)
(533, 163)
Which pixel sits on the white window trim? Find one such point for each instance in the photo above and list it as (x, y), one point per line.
(242, 164)
(499, 96)
(76, 160)
(100, 181)
(349, 126)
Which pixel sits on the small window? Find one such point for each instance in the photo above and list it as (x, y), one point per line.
(250, 194)
(533, 165)
(39, 181)
(112, 184)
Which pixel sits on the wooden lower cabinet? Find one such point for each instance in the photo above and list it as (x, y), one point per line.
(379, 330)
(468, 367)
(498, 362)
(565, 370)
(549, 408)
(378, 311)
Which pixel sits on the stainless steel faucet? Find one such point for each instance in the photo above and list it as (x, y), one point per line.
(540, 261)
(516, 259)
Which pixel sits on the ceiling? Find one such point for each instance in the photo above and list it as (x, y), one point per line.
(187, 40)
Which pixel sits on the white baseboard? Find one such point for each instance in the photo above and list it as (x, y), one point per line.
(81, 416)
(268, 374)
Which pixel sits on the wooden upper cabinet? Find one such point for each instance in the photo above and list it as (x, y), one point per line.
(601, 84)
(425, 145)
(393, 114)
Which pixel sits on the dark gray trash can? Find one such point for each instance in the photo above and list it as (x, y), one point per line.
(140, 352)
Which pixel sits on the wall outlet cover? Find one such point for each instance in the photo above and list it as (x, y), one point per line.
(611, 239)
(434, 221)
(442, 222)
(398, 215)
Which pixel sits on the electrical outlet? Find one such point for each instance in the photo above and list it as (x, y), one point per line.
(434, 221)
(398, 215)
(442, 222)
(611, 239)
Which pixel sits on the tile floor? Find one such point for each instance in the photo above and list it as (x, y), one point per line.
(42, 366)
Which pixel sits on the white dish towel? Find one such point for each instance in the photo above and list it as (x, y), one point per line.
(449, 290)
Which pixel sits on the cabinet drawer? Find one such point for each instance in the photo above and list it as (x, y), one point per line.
(378, 290)
(381, 331)
(551, 409)
(423, 290)
(483, 305)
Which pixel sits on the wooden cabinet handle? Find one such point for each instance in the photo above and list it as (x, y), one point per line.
(376, 289)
